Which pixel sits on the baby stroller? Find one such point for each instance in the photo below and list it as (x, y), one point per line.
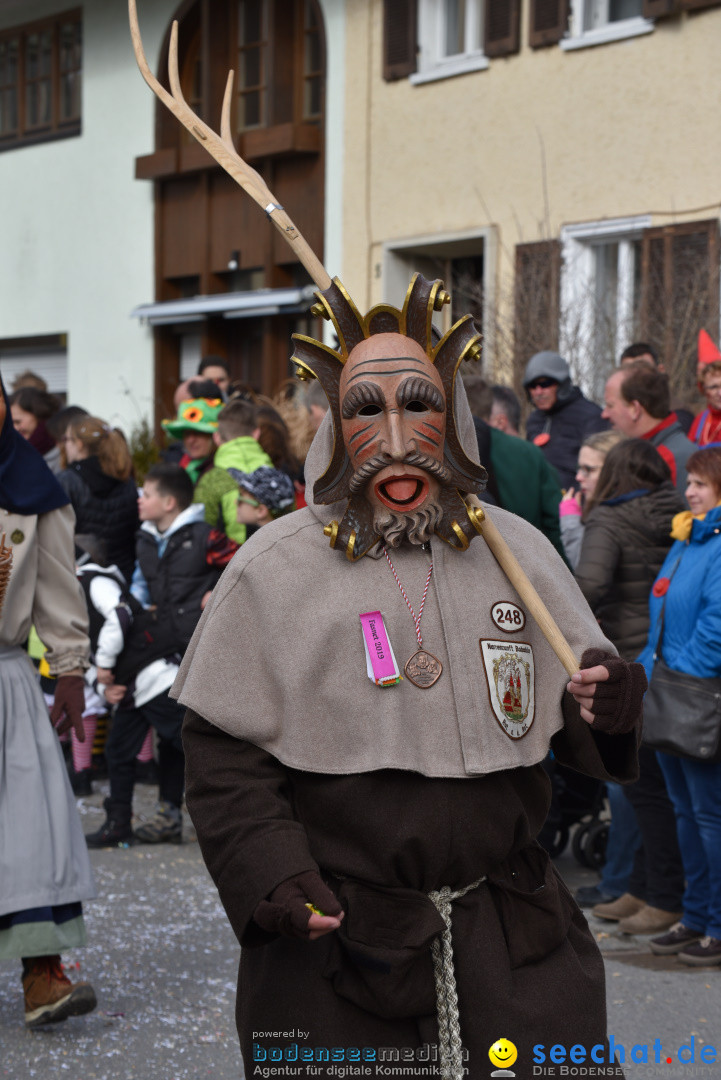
(575, 799)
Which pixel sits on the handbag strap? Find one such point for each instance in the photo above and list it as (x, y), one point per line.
(657, 652)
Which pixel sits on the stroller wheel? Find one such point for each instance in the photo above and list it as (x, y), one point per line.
(594, 849)
(578, 845)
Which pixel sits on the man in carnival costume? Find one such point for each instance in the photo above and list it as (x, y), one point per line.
(369, 704)
(350, 807)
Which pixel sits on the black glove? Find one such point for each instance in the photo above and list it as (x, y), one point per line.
(284, 912)
(618, 702)
(69, 705)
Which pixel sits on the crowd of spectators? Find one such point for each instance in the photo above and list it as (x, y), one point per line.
(629, 493)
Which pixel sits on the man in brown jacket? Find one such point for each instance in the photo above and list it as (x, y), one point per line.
(365, 730)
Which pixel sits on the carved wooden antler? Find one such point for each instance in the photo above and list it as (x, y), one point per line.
(221, 147)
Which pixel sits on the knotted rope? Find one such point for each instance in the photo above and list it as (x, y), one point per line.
(449, 1030)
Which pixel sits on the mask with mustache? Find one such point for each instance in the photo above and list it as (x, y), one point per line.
(397, 457)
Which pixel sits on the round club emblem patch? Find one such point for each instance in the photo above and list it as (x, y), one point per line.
(508, 617)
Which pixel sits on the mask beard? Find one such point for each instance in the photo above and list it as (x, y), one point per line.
(416, 527)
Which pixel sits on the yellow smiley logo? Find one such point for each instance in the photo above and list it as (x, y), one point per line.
(503, 1053)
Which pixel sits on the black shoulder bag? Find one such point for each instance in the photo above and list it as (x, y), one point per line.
(681, 713)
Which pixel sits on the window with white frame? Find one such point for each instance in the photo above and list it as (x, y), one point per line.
(450, 38)
(594, 22)
(600, 296)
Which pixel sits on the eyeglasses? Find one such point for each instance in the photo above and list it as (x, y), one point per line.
(249, 501)
(586, 470)
(542, 384)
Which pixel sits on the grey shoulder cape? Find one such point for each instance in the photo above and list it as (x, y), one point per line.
(278, 656)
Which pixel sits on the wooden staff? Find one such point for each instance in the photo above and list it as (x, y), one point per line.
(518, 578)
(221, 147)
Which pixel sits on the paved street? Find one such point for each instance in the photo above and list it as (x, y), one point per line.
(163, 961)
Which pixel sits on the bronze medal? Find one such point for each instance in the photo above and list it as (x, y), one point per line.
(423, 669)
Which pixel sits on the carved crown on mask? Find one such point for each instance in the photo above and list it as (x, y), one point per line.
(355, 533)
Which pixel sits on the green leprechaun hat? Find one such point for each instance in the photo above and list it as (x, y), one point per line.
(198, 414)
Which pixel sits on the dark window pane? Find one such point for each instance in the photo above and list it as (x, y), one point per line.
(8, 111)
(46, 52)
(69, 47)
(312, 53)
(31, 56)
(8, 62)
(250, 109)
(70, 96)
(44, 102)
(311, 103)
(251, 22)
(624, 9)
(31, 105)
(250, 69)
(455, 27)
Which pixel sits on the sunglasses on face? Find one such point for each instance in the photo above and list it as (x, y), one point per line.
(542, 384)
(251, 502)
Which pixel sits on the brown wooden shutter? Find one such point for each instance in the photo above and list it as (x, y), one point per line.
(399, 39)
(548, 21)
(680, 295)
(697, 5)
(537, 294)
(657, 9)
(502, 27)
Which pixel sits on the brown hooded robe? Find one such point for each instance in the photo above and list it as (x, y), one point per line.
(279, 700)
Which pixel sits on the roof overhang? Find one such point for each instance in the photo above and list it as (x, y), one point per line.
(240, 305)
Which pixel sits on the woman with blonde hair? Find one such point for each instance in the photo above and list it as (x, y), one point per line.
(98, 481)
(578, 502)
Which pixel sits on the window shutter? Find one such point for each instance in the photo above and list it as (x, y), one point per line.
(657, 9)
(548, 22)
(502, 27)
(697, 5)
(399, 39)
(537, 293)
(679, 295)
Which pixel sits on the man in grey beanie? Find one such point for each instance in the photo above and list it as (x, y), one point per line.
(562, 417)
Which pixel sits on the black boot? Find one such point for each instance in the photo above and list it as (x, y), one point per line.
(80, 782)
(116, 832)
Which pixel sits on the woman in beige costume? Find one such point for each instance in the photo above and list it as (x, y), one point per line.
(46, 871)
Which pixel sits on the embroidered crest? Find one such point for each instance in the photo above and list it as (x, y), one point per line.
(510, 674)
(508, 617)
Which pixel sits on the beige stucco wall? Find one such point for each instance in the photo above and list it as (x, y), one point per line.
(630, 127)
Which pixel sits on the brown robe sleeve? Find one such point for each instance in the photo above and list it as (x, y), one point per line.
(592, 752)
(239, 800)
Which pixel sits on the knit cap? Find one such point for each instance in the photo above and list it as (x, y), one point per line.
(269, 486)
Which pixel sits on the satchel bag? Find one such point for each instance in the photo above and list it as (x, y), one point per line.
(681, 713)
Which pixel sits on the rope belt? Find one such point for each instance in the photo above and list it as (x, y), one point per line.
(449, 1030)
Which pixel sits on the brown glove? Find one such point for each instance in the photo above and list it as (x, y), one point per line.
(618, 702)
(284, 912)
(69, 705)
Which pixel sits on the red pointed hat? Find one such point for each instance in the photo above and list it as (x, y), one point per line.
(707, 351)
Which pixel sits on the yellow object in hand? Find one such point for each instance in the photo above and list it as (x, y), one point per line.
(314, 910)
